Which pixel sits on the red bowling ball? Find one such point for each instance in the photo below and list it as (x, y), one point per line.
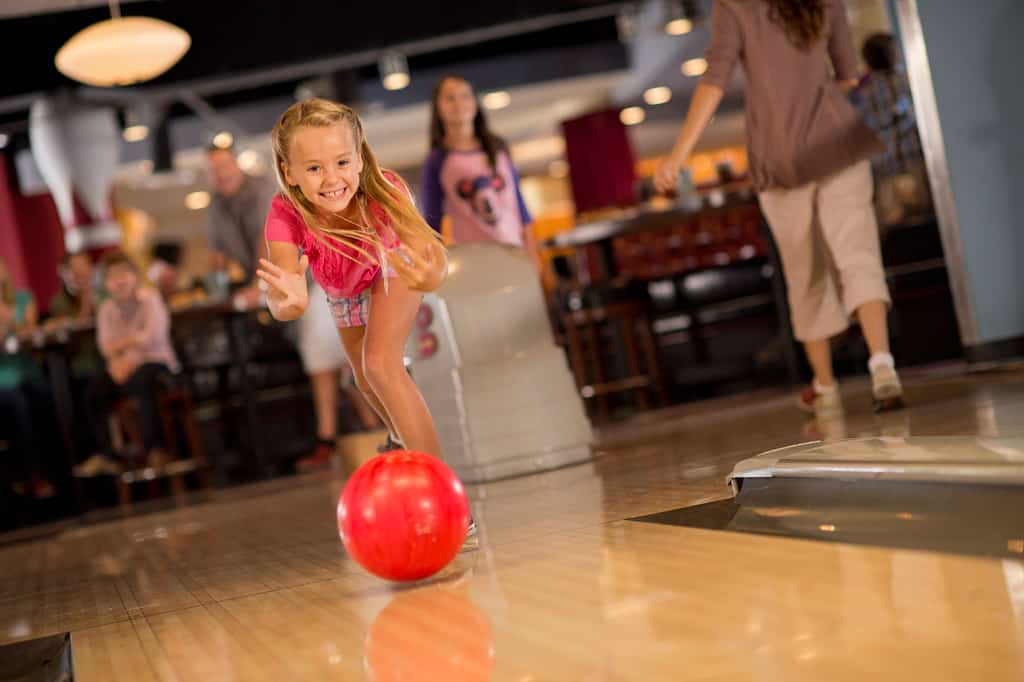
(403, 515)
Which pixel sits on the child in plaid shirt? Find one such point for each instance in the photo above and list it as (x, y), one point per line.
(883, 100)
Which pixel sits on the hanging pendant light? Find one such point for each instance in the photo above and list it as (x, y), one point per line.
(122, 50)
(394, 71)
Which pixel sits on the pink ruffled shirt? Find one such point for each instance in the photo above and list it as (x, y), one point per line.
(344, 274)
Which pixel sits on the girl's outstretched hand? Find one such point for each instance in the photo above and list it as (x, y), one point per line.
(287, 295)
(422, 269)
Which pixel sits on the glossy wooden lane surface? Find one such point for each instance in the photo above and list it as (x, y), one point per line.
(255, 586)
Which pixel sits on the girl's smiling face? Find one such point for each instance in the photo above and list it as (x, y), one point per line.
(325, 165)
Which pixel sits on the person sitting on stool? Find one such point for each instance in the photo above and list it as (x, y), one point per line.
(133, 331)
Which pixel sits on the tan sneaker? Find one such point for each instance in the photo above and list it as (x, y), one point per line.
(96, 465)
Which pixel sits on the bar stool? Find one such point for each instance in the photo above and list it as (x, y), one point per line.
(627, 325)
(174, 399)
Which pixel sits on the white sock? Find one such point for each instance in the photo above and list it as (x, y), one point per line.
(880, 360)
(825, 390)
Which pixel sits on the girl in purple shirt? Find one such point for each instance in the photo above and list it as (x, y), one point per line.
(469, 175)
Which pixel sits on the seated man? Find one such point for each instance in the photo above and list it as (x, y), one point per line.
(133, 331)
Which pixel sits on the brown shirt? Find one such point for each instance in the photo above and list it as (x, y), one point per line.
(800, 125)
(149, 318)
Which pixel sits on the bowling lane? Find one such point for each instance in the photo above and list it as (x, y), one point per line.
(562, 588)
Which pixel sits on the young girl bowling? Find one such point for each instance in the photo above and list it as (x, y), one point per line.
(356, 227)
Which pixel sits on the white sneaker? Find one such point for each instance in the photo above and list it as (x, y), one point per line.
(886, 389)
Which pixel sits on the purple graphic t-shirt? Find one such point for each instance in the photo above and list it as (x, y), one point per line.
(483, 205)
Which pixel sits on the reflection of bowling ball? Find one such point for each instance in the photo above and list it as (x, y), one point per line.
(403, 515)
(430, 634)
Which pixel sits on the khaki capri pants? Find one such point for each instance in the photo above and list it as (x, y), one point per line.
(827, 236)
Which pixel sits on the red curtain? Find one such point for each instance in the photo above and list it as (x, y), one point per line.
(31, 237)
(601, 162)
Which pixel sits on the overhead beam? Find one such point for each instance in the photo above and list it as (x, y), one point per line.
(10, 9)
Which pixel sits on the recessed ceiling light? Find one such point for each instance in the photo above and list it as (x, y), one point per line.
(694, 67)
(632, 115)
(499, 99)
(197, 200)
(658, 95)
(678, 27)
(135, 133)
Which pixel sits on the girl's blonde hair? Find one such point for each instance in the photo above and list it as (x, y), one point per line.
(396, 202)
